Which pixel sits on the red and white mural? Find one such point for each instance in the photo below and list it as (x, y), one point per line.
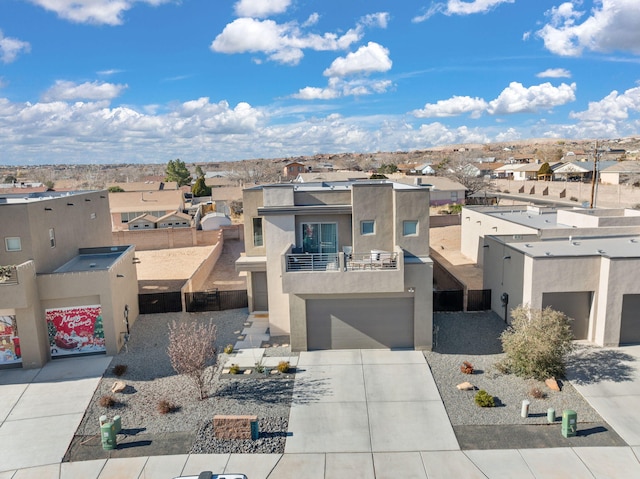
(9, 341)
(75, 330)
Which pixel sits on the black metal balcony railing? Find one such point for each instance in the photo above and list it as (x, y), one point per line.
(382, 260)
(312, 262)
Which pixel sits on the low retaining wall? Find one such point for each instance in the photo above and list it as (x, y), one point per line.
(164, 238)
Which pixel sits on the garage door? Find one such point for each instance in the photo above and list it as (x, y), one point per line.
(360, 323)
(576, 305)
(630, 325)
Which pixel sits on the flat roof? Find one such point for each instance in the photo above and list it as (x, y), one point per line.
(90, 262)
(532, 219)
(605, 246)
(339, 185)
(32, 197)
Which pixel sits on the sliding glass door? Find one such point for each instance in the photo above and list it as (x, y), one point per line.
(320, 237)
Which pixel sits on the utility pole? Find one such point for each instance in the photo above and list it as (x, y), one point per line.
(594, 176)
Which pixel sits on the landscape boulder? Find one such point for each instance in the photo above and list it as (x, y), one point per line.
(466, 386)
(552, 384)
(118, 387)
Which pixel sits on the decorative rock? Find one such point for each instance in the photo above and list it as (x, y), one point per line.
(118, 387)
(552, 384)
(466, 386)
(273, 371)
(226, 371)
(247, 371)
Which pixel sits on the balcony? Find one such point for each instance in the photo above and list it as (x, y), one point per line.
(343, 273)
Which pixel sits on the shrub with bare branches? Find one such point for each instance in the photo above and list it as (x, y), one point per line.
(191, 351)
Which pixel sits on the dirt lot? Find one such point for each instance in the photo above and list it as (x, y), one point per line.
(168, 269)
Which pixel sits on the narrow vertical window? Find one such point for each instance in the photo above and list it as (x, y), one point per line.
(257, 232)
(52, 238)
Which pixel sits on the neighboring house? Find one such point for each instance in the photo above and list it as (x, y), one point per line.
(443, 190)
(582, 262)
(622, 172)
(331, 176)
(127, 206)
(67, 293)
(579, 170)
(176, 219)
(143, 222)
(293, 169)
(145, 185)
(527, 171)
(341, 265)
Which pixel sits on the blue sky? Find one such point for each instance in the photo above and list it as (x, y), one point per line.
(125, 81)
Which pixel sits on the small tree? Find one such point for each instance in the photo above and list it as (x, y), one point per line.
(537, 343)
(191, 351)
(115, 189)
(200, 188)
(177, 171)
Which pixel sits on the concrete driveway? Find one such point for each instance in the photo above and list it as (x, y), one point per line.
(364, 401)
(40, 409)
(609, 379)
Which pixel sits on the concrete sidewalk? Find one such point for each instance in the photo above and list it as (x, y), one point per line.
(388, 400)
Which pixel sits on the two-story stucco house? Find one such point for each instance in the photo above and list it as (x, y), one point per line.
(341, 264)
(64, 291)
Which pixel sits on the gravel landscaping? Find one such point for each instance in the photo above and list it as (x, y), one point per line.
(474, 337)
(150, 379)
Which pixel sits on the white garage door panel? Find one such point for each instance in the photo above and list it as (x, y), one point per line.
(360, 324)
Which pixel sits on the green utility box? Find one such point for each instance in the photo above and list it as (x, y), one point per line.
(108, 436)
(108, 432)
(255, 430)
(569, 423)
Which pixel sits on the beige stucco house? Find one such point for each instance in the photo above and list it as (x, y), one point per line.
(581, 261)
(128, 205)
(68, 292)
(341, 264)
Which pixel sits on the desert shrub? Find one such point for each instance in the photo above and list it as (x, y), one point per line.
(191, 351)
(466, 368)
(507, 191)
(107, 401)
(283, 366)
(228, 349)
(537, 393)
(573, 198)
(484, 399)
(259, 367)
(537, 343)
(165, 407)
(119, 369)
(234, 369)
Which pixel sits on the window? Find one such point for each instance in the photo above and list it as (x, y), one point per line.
(93, 216)
(410, 228)
(367, 227)
(13, 244)
(319, 237)
(257, 232)
(454, 196)
(52, 238)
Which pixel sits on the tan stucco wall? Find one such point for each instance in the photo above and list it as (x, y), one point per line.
(72, 224)
(279, 233)
(475, 226)
(412, 205)
(367, 201)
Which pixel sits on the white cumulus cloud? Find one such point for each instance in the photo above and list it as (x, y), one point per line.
(67, 90)
(457, 105)
(460, 7)
(517, 98)
(612, 26)
(338, 87)
(10, 48)
(367, 59)
(100, 12)
(285, 42)
(554, 73)
(261, 8)
(615, 107)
